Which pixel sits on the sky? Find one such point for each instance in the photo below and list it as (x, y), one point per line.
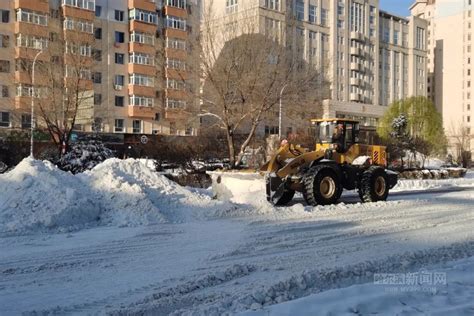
(397, 7)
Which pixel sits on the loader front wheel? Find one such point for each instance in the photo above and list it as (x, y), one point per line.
(321, 186)
(374, 185)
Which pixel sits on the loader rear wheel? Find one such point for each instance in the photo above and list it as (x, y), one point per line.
(276, 198)
(321, 186)
(374, 185)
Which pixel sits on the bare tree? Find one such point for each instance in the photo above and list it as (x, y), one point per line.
(461, 138)
(246, 70)
(62, 86)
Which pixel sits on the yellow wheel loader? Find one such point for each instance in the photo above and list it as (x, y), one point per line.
(337, 162)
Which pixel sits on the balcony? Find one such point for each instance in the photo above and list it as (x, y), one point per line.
(355, 81)
(355, 66)
(176, 54)
(176, 33)
(176, 74)
(356, 51)
(141, 48)
(30, 53)
(142, 4)
(355, 97)
(141, 90)
(23, 103)
(78, 13)
(141, 111)
(174, 11)
(25, 77)
(139, 26)
(176, 114)
(31, 29)
(148, 70)
(357, 36)
(37, 5)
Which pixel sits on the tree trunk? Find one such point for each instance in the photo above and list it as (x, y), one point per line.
(231, 147)
(245, 144)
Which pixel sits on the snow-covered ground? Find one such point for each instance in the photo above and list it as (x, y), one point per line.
(121, 239)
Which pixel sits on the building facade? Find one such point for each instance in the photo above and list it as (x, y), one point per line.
(370, 57)
(137, 79)
(451, 56)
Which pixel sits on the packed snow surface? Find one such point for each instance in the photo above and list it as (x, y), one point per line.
(151, 247)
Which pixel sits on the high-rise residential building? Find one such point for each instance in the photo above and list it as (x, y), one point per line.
(370, 57)
(450, 65)
(137, 79)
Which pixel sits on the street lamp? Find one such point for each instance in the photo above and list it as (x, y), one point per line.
(280, 112)
(33, 101)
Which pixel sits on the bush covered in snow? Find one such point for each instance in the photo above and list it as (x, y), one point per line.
(85, 155)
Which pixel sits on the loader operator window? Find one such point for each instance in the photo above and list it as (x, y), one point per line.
(324, 132)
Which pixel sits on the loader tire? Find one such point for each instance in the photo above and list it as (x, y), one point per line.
(321, 186)
(373, 185)
(285, 198)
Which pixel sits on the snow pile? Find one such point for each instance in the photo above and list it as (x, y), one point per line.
(135, 194)
(37, 195)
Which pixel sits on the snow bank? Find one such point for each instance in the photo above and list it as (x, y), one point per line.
(36, 195)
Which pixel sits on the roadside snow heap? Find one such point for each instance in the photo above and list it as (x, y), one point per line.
(37, 196)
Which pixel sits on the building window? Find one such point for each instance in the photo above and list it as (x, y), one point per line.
(34, 42)
(118, 126)
(119, 58)
(98, 10)
(175, 104)
(26, 121)
(4, 40)
(119, 100)
(97, 77)
(143, 16)
(4, 119)
(143, 38)
(175, 23)
(5, 16)
(299, 10)
(4, 66)
(98, 33)
(83, 4)
(231, 6)
(271, 130)
(136, 126)
(119, 15)
(97, 54)
(5, 92)
(175, 64)
(141, 80)
(324, 17)
(140, 58)
(420, 38)
(272, 4)
(176, 3)
(28, 16)
(312, 13)
(70, 24)
(157, 116)
(176, 43)
(140, 101)
(119, 80)
(468, 119)
(175, 84)
(97, 98)
(119, 37)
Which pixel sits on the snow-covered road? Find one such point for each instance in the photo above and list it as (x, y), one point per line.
(243, 258)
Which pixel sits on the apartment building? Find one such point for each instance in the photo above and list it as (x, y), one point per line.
(450, 59)
(370, 57)
(137, 79)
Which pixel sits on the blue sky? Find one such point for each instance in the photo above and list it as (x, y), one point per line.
(398, 7)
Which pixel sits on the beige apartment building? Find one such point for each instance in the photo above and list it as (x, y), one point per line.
(139, 55)
(370, 57)
(450, 58)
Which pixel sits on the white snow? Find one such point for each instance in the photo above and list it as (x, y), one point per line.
(37, 196)
(122, 239)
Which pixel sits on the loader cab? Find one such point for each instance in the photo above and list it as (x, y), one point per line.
(339, 134)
